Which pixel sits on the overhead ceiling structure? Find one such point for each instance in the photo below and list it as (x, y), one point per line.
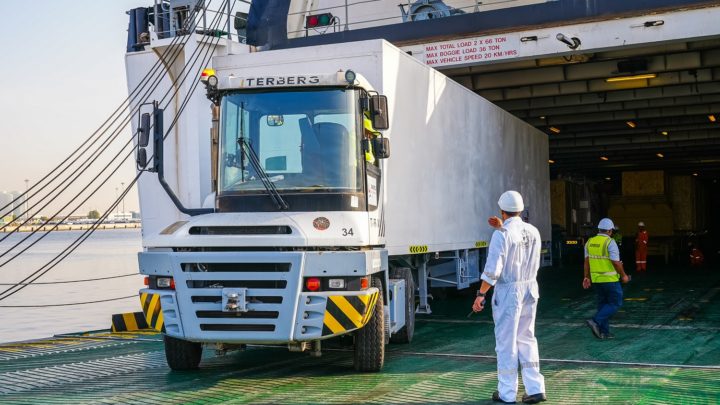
(617, 85)
(664, 113)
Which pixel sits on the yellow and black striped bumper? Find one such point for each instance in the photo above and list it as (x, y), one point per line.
(344, 313)
(153, 312)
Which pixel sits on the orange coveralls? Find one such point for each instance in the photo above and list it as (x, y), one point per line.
(696, 257)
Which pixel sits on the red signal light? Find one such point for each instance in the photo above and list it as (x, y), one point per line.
(147, 281)
(312, 284)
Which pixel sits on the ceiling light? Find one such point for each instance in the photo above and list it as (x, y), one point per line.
(542, 117)
(660, 155)
(554, 129)
(634, 77)
(695, 174)
(712, 118)
(631, 124)
(607, 178)
(551, 161)
(664, 133)
(604, 158)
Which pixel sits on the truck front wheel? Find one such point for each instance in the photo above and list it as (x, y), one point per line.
(182, 354)
(369, 353)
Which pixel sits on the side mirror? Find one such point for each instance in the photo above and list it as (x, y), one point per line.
(141, 158)
(381, 147)
(142, 141)
(379, 112)
(144, 131)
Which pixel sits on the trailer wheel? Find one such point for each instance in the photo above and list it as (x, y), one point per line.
(369, 351)
(182, 354)
(405, 334)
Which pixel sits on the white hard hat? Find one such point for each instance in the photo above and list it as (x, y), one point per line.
(641, 223)
(606, 224)
(511, 201)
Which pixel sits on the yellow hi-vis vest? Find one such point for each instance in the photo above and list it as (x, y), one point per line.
(601, 267)
(369, 154)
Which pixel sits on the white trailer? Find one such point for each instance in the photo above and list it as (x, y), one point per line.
(315, 227)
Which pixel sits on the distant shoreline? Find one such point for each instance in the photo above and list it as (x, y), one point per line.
(79, 227)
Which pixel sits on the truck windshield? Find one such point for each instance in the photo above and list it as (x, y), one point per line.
(303, 140)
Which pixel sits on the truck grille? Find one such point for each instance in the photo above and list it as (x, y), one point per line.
(240, 230)
(272, 282)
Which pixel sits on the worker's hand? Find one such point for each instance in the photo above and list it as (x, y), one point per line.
(495, 222)
(479, 304)
(586, 283)
(625, 279)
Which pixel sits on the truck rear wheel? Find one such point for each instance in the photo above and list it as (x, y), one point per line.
(182, 354)
(369, 352)
(405, 334)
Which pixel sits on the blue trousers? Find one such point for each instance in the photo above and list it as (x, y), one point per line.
(610, 299)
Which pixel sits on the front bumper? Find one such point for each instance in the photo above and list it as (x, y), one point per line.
(318, 316)
(278, 311)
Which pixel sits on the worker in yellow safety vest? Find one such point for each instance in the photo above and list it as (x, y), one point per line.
(604, 269)
(370, 134)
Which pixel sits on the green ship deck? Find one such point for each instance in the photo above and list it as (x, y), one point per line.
(666, 351)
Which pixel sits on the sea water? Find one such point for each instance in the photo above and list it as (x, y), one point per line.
(106, 253)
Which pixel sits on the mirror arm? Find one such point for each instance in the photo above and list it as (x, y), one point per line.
(159, 167)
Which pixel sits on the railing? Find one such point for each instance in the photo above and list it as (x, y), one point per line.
(171, 18)
(347, 15)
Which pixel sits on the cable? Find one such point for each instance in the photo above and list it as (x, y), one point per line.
(68, 304)
(74, 175)
(62, 255)
(74, 281)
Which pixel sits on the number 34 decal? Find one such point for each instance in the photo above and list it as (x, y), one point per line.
(347, 232)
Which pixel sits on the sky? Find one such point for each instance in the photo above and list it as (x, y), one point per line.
(62, 74)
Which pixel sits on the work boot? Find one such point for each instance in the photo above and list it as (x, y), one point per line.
(496, 398)
(607, 336)
(594, 328)
(534, 399)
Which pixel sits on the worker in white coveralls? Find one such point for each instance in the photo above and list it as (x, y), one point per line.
(512, 264)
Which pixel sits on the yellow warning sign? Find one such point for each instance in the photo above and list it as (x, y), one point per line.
(415, 249)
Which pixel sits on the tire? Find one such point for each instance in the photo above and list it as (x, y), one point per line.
(182, 354)
(369, 350)
(405, 334)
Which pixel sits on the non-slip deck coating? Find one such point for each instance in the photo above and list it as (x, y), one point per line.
(666, 351)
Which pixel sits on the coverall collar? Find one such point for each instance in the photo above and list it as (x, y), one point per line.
(507, 221)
